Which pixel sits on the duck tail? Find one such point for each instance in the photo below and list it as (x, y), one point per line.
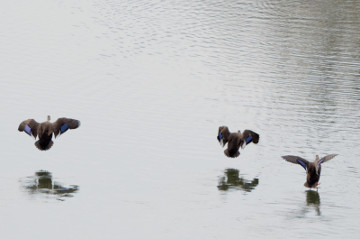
(43, 147)
(231, 154)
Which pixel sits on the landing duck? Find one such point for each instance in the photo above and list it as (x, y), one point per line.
(45, 130)
(235, 140)
(313, 169)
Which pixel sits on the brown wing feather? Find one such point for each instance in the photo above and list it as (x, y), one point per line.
(255, 136)
(32, 124)
(326, 158)
(295, 159)
(224, 130)
(72, 123)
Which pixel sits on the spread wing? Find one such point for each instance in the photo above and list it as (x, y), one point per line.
(297, 160)
(61, 125)
(250, 136)
(29, 126)
(223, 135)
(220, 135)
(326, 158)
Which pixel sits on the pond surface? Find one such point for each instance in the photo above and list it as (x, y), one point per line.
(151, 82)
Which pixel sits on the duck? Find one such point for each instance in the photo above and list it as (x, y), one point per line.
(313, 169)
(45, 130)
(235, 140)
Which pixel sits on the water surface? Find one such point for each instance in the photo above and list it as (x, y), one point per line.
(151, 82)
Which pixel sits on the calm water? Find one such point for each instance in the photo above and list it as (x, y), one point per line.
(151, 82)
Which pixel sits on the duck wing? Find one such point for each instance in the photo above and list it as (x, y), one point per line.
(61, 125)
(250, 136)
(326, 158)
(297, 160)
(29, 126)
(223, 135)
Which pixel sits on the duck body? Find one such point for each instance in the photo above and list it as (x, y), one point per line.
(234, 143)
(44, 131)
(312, 178)
(235, 140)
(313, 169)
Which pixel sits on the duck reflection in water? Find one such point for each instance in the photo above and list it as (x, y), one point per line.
(313, 200)
(43, 182)
(231, 180)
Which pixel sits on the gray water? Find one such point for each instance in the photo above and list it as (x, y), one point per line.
(151, 82)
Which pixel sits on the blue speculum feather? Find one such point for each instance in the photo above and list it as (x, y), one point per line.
(248, 139)
(64, 127)
(219, 136)
(302, 164)
(27, 129)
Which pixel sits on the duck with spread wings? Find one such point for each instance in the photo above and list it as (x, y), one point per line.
(313, 169)
(45, 130)
(235, 140)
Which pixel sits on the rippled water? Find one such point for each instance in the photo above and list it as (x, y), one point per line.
(151, 82)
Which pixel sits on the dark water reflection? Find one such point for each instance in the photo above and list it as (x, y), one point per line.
(231, 180)
(43, 183)
(313, 200)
